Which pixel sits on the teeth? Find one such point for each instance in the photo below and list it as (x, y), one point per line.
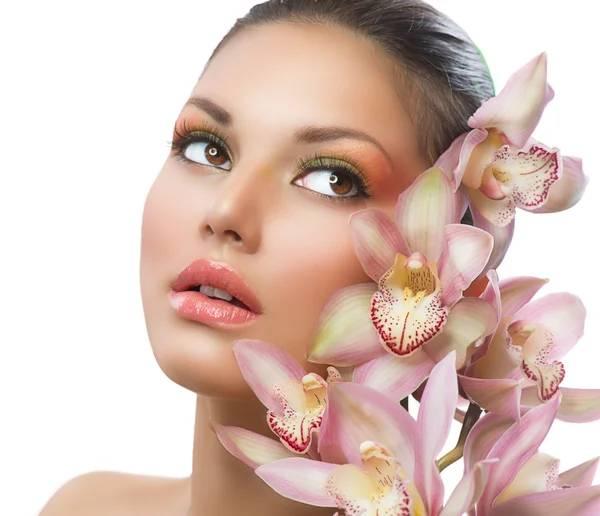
(215, 292)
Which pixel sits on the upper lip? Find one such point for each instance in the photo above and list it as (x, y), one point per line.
(218, 275)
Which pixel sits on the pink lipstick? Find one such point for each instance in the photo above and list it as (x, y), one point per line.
(214, 294)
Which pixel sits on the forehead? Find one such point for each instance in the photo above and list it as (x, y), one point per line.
(283, 75)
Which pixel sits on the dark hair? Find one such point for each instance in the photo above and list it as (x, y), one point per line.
(440, 67)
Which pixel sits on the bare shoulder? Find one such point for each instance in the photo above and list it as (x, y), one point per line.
(102, 493)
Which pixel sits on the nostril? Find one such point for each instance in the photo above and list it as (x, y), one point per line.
(233, 235)
(207, 230)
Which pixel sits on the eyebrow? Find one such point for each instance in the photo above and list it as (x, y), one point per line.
(305, 134)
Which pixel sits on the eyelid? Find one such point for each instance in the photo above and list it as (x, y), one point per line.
(345, 162)
(211, 132)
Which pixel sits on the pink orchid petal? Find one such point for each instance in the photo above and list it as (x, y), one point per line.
(468, 490)
(345, 373)
(263, 366)
(376, 241)
(498, 212)
(502, 396)
(579, 501)
(299, 479)
(476, 152)
(491, 186)
(516, 446)
(459, 415)
(577, 405)
(465, 253)
(396, 377)
(469, 319)
(502, 236)
(483, 436)
(356, 413)
(499, 361)
(436, 413)
(490, 295)
(538, 475)
(251, 448)
(579, 476)
(563, 314)
(344, 334)
(449, 160)
(516, 292)
(517, 109)
(568, 191)
(424, 209)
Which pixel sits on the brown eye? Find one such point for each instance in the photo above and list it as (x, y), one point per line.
(341, 184)
(206, 152)
(332, 183)
(215, 154)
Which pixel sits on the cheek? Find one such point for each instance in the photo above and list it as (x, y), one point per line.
(161, 220)
(170, 222)
(311, 260)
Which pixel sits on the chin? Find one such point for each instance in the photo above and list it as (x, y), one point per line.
(196, 357)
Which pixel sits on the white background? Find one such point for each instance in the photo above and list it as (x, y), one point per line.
(88, 96)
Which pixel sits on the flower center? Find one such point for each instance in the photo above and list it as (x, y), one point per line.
(519, 332)
(500, 175)
(420, 281)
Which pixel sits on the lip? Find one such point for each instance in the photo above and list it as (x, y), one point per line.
(213, 312)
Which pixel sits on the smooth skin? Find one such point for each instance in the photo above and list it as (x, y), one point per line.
(247, 204)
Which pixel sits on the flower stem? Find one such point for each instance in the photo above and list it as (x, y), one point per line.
(471, 417)
(404, 403)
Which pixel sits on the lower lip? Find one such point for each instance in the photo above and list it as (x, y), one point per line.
(212, 312)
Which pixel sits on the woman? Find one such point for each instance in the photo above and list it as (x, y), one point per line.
(306, 112)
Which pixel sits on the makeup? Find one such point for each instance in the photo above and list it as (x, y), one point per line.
(214, 294)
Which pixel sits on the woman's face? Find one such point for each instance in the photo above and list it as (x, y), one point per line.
(245, 204)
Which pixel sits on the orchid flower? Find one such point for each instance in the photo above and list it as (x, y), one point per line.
(416, 313)
(520, 365)
(294, 398)
(501, 167)
(388, 458)
(524, 480)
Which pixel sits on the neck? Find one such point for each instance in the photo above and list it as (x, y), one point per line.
(222, 484)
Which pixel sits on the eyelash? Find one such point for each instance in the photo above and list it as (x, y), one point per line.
(183, 135)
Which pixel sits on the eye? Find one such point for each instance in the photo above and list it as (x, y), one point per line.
(200, 145)
(205, 152)
(326, 182)
(332, 178)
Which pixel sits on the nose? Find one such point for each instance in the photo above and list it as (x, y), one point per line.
(234, 217)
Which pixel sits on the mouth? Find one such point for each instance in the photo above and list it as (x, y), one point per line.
(214, 294)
